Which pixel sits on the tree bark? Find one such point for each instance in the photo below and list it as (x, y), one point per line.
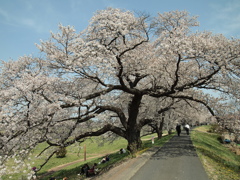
(133, 128)
(159, 129)
(159, 133)
(134, 142)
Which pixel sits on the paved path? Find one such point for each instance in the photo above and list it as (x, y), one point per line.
(176, 160)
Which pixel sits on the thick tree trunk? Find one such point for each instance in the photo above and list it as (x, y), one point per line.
(159, 133)
(160, 129)
(133, 130)
(170, 131)
(134, 142)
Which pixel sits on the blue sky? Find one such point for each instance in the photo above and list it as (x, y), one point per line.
(24, 22)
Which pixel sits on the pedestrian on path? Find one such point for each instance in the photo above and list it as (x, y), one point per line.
(178, 129)
(187, 128)
(177, 159)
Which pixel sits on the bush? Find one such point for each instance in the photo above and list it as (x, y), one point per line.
(214, 128)
(61, 152)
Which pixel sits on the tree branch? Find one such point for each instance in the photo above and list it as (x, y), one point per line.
(118, 111)
(103, 130)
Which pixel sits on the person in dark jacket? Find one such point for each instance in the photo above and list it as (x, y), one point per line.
(178, 129)
(84, 169)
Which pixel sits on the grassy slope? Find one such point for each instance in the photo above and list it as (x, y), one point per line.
(75, 153)
(72, 171)
(219, 162)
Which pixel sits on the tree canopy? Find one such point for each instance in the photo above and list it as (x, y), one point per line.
(103, 79)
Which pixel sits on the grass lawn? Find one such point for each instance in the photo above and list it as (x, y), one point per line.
(219, 162)
(94, 154)
(74, 153)
(72, 171)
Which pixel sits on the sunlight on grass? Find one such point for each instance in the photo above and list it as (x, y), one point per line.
(95, 153)
(74, 153)
(219, 161)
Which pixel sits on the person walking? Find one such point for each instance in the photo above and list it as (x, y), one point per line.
(187, 128)
(178, 129)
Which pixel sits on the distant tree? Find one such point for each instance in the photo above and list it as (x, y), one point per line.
(96, 81)
(178, 111)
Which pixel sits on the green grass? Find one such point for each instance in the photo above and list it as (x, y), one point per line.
(74, 153)
(93, 150)
(72, 171)
(147, 142)
(218, 160)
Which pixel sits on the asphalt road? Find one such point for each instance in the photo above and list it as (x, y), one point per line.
(176, 160)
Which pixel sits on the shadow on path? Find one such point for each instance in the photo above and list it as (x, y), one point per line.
(176, 160)
(178, 146)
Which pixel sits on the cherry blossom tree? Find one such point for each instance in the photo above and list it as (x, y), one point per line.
(100, 80)
(175, 111)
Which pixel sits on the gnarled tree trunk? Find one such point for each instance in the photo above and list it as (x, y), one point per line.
(134, 141)
(133, 130)
(159, 130)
